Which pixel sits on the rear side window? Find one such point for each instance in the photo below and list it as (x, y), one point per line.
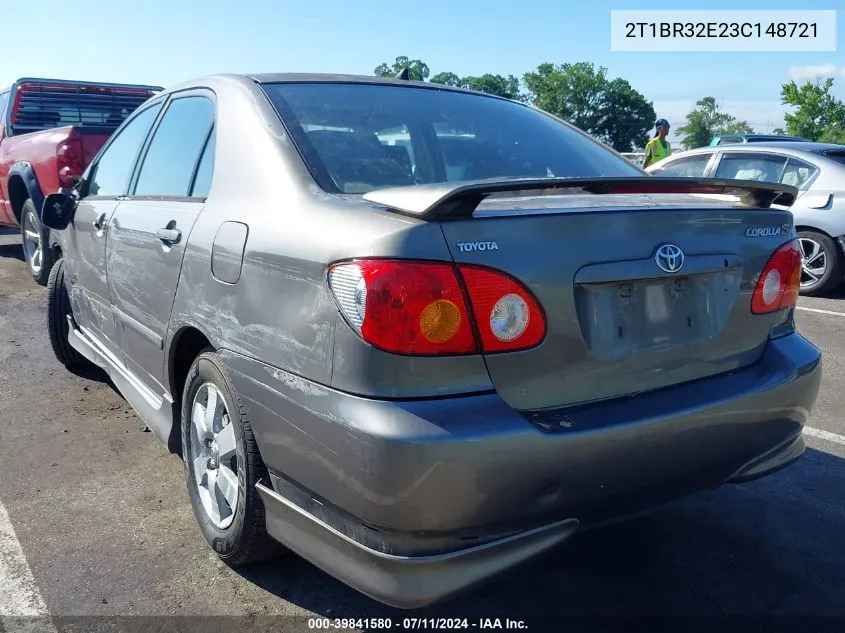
(4, 99)
(111, 174)
(174, 153)
(751, 166)
(44, 106)
(687, 167)
(359, 137)
(798, 173)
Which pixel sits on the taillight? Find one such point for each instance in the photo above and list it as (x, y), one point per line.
(434, 308)
(16, 104)
(404, 307)
(70, 163)
(780, 280)
(509, 318)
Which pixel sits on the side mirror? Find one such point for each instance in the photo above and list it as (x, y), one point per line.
(57, 211)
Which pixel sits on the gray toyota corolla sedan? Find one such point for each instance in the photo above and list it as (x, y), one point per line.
(419, 335)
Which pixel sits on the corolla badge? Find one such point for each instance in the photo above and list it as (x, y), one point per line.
(768, 231)
(669, 258)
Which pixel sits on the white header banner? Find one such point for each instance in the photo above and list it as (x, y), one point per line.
(723, 31)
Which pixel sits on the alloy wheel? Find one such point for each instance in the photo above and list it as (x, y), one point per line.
(813, 262)
(213, 455)
(33, 248)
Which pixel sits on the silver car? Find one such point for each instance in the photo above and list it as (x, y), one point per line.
(418, 335)
(816, 169)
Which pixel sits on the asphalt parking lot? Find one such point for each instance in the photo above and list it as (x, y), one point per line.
(95, 519)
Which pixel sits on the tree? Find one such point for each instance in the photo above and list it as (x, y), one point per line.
(447, 79)
(706, 121)
(818, 115)
(507, 87)
(417, 69)
(582, 95)
(627, 117)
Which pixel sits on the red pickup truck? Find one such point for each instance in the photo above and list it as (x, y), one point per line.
(50, 129)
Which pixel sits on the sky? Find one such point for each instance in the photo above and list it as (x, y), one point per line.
(163, 42)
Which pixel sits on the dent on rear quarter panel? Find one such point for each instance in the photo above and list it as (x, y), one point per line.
(281, 310)
(276, 310)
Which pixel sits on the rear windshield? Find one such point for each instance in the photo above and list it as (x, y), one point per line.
(360, 137)
(47, 106)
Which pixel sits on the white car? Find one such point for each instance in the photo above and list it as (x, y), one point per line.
(816, 169)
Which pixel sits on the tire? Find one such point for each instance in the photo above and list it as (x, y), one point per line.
(238, 537)
(35, 239)
(821, 270)
(58, 309)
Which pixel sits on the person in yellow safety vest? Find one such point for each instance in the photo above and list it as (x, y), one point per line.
(657, 148)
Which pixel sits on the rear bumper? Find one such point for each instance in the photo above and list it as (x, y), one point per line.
(402, 581)
(410, 502)
(410, 582)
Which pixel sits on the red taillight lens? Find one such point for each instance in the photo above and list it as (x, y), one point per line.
(508, 316)
(404, 307)
(70, 163)
(780, 280)
(16, 105)
(420, 308)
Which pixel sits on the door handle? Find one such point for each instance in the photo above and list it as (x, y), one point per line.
(170, 236)
(100, 223)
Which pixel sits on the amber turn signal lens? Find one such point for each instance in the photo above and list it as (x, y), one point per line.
(440, 321)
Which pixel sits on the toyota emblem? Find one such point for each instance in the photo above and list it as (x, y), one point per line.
(669, 258)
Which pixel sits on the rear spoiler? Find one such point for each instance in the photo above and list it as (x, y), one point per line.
(451, 200)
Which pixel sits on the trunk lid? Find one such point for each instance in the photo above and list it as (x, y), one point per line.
(617, 323)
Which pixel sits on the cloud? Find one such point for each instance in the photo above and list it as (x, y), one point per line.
(821, 71)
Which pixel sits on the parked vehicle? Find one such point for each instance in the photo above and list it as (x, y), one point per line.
(816, 169)
(634, 157)
(50, 130)
(730, 139)
(416, 381)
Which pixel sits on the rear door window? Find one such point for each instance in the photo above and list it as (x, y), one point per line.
(205, 171)
(112, 172)
(4, 98)
(798, 173)
(751, 166)
(686, 167)
(173, 156)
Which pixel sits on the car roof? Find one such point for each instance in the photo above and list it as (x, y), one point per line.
(783, 136)
(223, 79)
(797, 147)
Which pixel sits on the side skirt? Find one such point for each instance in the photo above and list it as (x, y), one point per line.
(154, 410)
